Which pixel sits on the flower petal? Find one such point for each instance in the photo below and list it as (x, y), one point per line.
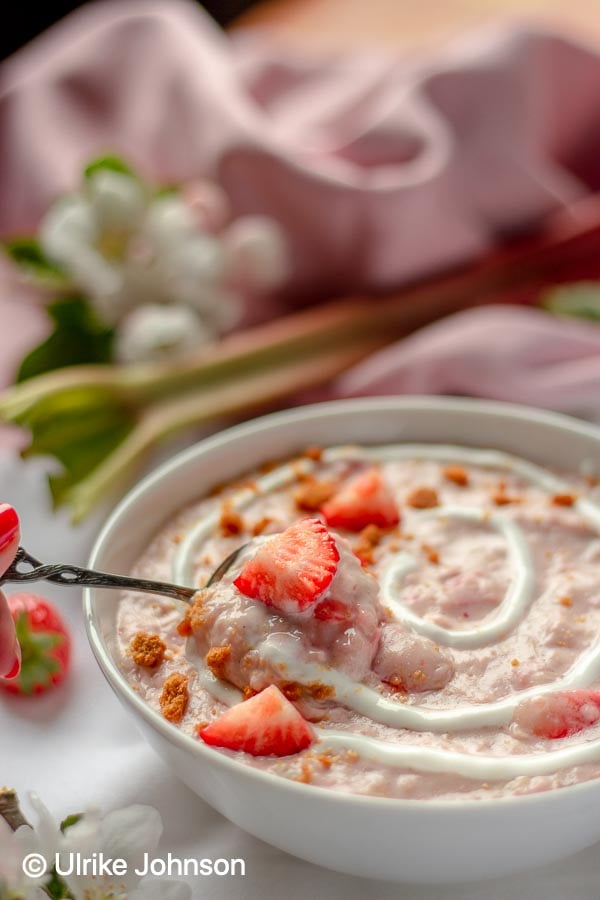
(168, 221)
(131, 832)
(192, 264)
(256, 252)
(117, 200)
(47, 831)
(154, 333)
(70, 222)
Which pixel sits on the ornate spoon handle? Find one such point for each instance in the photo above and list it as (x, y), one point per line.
(26, 568)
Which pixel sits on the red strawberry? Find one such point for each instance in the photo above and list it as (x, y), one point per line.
(45, 645)
(365, 500)
(293, 569)
(559, 714)
(266, 725)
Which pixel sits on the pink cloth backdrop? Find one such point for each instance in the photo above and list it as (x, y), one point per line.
(381, 169)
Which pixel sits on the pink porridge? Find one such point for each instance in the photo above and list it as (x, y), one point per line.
(401, 621)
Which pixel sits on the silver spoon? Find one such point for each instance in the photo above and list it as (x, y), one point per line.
(26, 568)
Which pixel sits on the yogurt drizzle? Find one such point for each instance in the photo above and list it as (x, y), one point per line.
(368, 702)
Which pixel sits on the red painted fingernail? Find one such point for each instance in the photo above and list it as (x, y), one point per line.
(9, 525)
(15, 669)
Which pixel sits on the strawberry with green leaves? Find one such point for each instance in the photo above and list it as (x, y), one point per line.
(45, 645)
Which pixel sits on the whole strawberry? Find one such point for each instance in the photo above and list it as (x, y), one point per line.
(45, 645)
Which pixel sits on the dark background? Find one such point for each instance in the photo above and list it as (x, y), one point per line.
(24, 19)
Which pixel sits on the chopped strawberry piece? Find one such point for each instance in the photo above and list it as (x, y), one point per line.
(559, 714)
(365, 500)
(265, 725)
(292, 570)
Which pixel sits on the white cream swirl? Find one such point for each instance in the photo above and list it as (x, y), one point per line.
(368, 702)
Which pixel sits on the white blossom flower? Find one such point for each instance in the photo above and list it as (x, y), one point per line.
(125, 247)
(256, 252)
(127, 834)
(16, 846)
(157, 333)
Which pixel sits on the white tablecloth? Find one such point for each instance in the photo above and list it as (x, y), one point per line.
(77, 747)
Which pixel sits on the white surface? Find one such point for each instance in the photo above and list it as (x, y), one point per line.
(78, 747)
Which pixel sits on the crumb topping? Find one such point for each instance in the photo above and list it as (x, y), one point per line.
(501, 498)
(457, 475)
(261, 525)
(217, 659)
(175, 697)
(231, 522)
(312, 494)
(147, 650)
(423, 498)
(315, 453)
(184, 628)
(431, 553)
(564, 499)
(369, 538)
(295, 690)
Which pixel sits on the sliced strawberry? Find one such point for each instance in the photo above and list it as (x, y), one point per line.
(45, 645)
(265, 725)
(559, 714)
(293, 569)
(364, 500)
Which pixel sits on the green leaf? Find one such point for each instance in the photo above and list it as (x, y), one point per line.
(78, 337)
(70, 820)
(56, 887)
(29, 256)
(81, 458)
(580, 299)
(110, 163)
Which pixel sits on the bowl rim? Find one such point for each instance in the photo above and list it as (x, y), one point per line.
(196, 748)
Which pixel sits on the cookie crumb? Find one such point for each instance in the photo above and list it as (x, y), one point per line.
(147, 650)
(217, 659)
(175, 697)
(184, 628)
(315, 453)
(248, 692)
(312, 494)
(431, 553)
(501, 498)
(368, 539)
(231, 522)
(457, 475)
(305, 776)
(564, 499)
(261, 525)
(423, 498)
(514, 662)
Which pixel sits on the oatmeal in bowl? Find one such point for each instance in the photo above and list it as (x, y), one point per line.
(425, 618)
(405, 639)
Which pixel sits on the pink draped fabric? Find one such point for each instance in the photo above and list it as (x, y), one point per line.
(380, 169)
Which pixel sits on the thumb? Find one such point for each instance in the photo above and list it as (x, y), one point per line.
(10, 652)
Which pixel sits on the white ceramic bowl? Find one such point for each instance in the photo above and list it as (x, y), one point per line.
(400, 840)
